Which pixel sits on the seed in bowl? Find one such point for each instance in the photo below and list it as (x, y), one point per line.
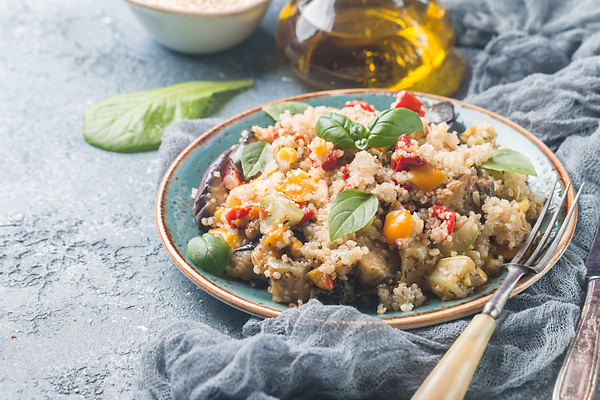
(199, 5)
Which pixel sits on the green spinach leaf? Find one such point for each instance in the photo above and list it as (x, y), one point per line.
(210, 252)
(255, 158)
(350, 211)
(335, 128)
(387, 127)
(131, 122)
(294, 107)
(511, 161)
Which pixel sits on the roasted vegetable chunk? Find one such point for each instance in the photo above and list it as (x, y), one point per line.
(462, 238)
(344, 292)
(379, 265)
(455, 277)
(466, 194)
(288, 281)
(413, 267)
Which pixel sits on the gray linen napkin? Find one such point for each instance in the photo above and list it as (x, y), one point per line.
(540, 67)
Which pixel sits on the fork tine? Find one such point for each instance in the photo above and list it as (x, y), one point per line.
(550, 252)
(544, 239)
(535, 228)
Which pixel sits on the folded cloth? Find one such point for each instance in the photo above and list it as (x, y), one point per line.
(540, 67)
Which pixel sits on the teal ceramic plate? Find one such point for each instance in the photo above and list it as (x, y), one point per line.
(176, 226)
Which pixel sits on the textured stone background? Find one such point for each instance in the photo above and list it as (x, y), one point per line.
(84, 280)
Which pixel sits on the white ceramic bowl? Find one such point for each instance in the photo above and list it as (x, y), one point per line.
(199, 32)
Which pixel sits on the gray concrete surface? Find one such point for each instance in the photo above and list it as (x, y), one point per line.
(84, 280)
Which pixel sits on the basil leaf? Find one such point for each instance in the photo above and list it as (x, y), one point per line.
(387, 127)
(335, 128)
(511, 161)
(350, 211)
(129, 123)
(357, 132)
(294, 107)
(255, 158)
(210, 252)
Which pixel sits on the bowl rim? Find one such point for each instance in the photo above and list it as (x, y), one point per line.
(403, 322)
(197, 13)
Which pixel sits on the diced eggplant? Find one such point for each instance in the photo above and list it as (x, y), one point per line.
(288, 281)
(279, 209)
(240, 266)
(442, 112)
(462, 238)
(455, 278)
(465, 194)
(236, 154)
(377, 266)
(212, 183)
(412, 261)
(250, 246)
(485, 187)
(240, 261)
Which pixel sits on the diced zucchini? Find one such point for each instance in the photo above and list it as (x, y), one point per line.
(281, 210)
(455, 278)
(412, 261)
(462, 239)
(288, 281)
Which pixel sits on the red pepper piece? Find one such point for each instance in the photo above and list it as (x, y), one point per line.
(345, 170)
(404, 163)
(407, 100)
(330, 163)
(443, 214)
(231, 177)
(403, 139)
(301, 136)
(263, 212)
(236, 213)
(328, 282)
(363, 104)
(407, 188)
(276, 129)
(308, 213)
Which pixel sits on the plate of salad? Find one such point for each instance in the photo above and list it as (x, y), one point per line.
(404, 205)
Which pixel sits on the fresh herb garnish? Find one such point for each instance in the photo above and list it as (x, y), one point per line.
(384, 130)
(387, 127)
(275, 110)
(510, 161)
(335, 128)
(210, 252)
(131, 122)
(255, 158)
(350, 211)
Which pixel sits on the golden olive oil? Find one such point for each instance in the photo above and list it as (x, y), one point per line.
(365, 43)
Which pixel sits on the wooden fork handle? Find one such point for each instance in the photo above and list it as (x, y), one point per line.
(579, 373)
(450, 379)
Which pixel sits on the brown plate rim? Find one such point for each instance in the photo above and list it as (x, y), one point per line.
(407, 322)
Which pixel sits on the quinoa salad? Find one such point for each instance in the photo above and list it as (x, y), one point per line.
(355, 205)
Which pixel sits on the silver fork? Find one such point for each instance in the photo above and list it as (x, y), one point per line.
(450, 379)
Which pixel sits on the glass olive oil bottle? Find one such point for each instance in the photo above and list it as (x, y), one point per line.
(365, 43)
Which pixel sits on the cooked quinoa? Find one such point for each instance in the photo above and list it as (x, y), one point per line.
(442, 224)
